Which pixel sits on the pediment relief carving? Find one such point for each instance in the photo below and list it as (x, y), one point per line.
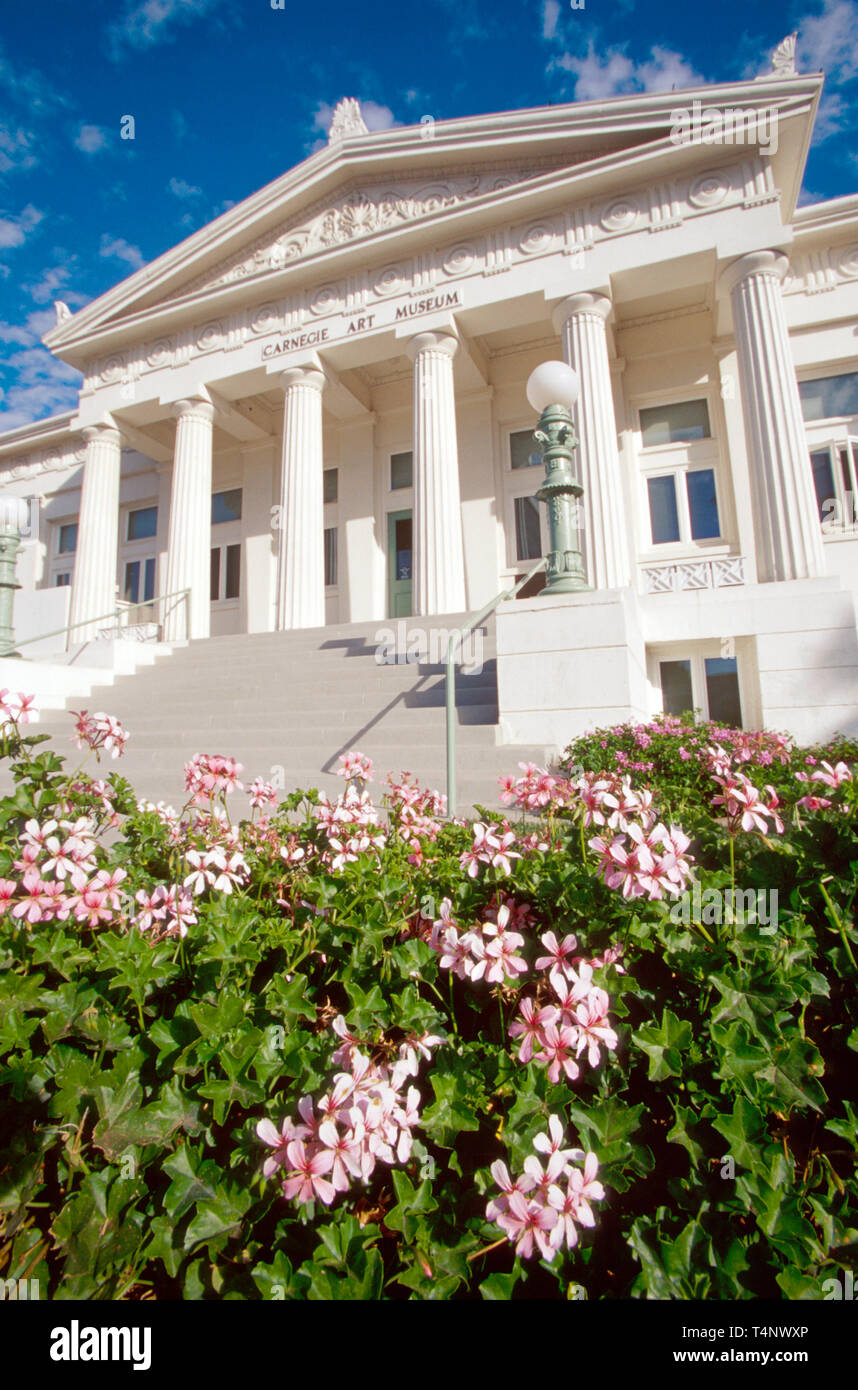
(358, 212)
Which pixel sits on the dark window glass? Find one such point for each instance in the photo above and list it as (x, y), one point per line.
(62, 581)
(403, 543)
(722, 690)
(68, 539)
(214, 588)
(523, 452)
(676, 692)
(132, 582)
(401, 470)
(703, 504)
(233, 571)
(823, 481)
(664, 517)
(680, 423)
(149, 580)
(226, 506)
(143, 523)
(330, 554)
(528, 537)
(829, 397)
(330, 484)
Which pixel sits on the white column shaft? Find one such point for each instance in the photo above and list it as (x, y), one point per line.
(301, 541)
(94, 587)
(189, 536)
(439, 569)
(786, 521)
(604, 534)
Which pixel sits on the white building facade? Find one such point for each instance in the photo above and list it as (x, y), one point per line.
(313, 411)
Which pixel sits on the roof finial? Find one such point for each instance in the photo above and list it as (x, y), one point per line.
(783, 58)
(347, 120)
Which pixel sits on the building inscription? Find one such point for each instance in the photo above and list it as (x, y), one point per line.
(348, 327)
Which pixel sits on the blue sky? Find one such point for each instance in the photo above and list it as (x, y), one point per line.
(227, 94)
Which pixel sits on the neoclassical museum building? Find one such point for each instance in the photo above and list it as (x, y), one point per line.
(313, 412)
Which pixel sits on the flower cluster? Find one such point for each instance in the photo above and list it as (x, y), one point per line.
(744, 806)
(643, 858)
(355, 767)
(15, 709)
(164, 911)
(491, 846)
(536, 789)
(415, 811)
(59, 876)
(542, 1209)
(97, 731)
(576, 1021)
(833, 777)
(262, 794)
(367, 1116)
(351, 825)
(489, 951)
(209, 773)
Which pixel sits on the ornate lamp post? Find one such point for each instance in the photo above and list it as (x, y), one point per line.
(552, 389)
(13, 518)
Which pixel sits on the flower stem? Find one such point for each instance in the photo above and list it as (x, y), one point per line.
(835, 916)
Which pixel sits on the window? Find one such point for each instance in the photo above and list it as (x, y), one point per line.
(61, 581)
(683, 506)
(829, 397)
(679, 423)
(225, 572)
(330, 555)
(67, 540)
(226, 506)
(136, 570)
(142, 524)
(330, 484)
(709, 684)
(523, 452)
(401, 470)
(528, 531)
(835, 482)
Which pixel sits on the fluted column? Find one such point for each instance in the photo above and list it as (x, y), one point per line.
(786, 517)
(580, 321)
(189, 535)
(439, 567)
(301, 538)
(94, 586)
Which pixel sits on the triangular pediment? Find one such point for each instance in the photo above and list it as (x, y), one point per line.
(409, 181)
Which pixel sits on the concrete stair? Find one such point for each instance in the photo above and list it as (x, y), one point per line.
(287, 704)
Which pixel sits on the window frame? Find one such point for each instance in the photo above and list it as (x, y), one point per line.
(677, 461)
(697, 653)
(520, 482)
(222, 547)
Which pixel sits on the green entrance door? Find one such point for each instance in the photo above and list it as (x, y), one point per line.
(399, 563)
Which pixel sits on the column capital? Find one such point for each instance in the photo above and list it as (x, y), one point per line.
(432, 342)
(103, 433)
(587, 302)
(774, 264)
(192, 406)
(311, 377)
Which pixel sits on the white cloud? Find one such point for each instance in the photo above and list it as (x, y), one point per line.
(828, 42)
(831, 117)
(550, 16)
(15, 230)
(53, 279)
(184, 190)
(16, 148)
(597, 77)
(152, 22)
(90, 138)
(42, 386)
(117, 248)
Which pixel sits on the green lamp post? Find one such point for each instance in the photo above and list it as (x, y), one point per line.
(13, 517)
(552, 389)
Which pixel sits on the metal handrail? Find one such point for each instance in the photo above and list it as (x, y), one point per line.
(450, 675)
(116, 612)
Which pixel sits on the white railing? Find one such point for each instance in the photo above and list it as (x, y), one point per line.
(680, 576)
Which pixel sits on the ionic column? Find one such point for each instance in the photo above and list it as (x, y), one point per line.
(301, 539)
(439, 568)
(94, 585)
(786, 516)
(580, 321)
(190, 530)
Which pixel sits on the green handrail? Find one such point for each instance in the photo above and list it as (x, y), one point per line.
(116, 612)
(450, 676)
